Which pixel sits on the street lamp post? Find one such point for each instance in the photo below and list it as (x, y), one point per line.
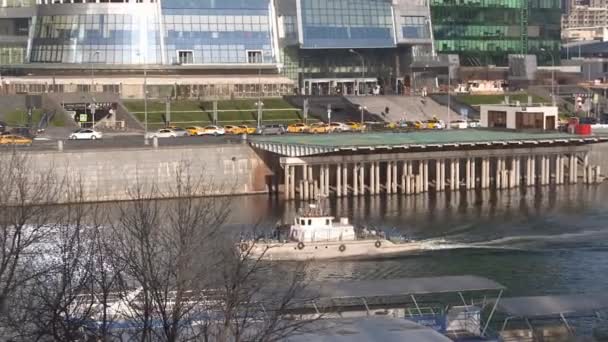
(92, 105)
(552, 75)
(260, 105)
(362, 109)
(362, 64)
(146, 142)
(449, 123)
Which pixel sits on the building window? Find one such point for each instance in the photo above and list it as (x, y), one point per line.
(254, 57)
(185, 57)
(414, 27)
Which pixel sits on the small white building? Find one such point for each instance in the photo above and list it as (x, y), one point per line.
(519, 117)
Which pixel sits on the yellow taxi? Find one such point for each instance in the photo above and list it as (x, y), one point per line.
(11, 139)
(298, 128)
(247, 129)
(390, 125)
(195, 130)
(230, 129)
(356, 126)
(319, 128)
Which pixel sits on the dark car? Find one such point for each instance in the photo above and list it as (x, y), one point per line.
(22, 131)
(272, 130)
(2, 126)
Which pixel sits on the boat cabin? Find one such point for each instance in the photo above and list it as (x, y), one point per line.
(308, 228)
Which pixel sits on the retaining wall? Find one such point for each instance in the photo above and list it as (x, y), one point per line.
(112, 174)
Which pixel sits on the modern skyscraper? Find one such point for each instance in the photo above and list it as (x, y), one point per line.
(486, 32)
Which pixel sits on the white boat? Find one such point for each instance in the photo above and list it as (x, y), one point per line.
(315, 235)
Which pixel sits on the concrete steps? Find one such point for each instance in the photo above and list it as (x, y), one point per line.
(412, 107)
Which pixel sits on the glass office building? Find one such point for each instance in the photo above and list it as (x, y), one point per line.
(14, 29)
(335, 24)
(486, 32)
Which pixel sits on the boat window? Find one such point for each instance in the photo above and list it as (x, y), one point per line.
(303, 222)
(327, 222)
(310, 222)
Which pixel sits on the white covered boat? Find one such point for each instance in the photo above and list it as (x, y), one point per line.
(315, 235)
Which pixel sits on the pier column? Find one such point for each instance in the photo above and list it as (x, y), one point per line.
(452, 174)
(457, 174)
(533, 170)
(356, 179)
(306, 182)
(327, 179)
(558, 169)
(314, 184)
(292, 182)
(516, 171)
(485, 173)
(345, 180)
(419, 178)
(543, 170)
(403, 175)
(362, 179)
(407, 172)
(472, 173)
(389, 177)
(321, 188)
(395, 172)
(438, 166)
(372, 179)
(377, 178)
(467, 179)
(286, 180)
(425, 175)
(339, 180)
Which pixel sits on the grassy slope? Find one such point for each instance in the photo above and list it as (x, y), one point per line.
(19, 118)
(200, 113)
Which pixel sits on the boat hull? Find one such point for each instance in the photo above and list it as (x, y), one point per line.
(363, 249)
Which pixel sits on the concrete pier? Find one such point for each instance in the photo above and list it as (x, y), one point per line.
(308, 177)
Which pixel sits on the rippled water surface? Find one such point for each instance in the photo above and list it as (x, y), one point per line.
(543, 241)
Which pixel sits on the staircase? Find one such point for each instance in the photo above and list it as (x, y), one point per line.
(411, 107)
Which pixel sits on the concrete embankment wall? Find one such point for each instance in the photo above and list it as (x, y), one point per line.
(599, 156)
(113, 174)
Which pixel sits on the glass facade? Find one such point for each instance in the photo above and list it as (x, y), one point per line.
(218, 32)
(330, 24)
(97, 38)
(486, 32)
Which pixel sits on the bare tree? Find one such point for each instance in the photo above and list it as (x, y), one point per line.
(25, 223)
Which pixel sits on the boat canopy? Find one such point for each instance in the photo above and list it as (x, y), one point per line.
(548, 306)
(404, 286)
(386, 329)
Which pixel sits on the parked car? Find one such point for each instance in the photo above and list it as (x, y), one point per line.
(213, 130)
(356, 126)
(474, 124)
(459, 124)
(230, 129)
(248, 129)
(435, 124)
(298, 128)
(319, 127)
(194, 130)
(12, 139)
(179, 132)
(274, 129)
(339, 127)
(86, 134)
(162, 133)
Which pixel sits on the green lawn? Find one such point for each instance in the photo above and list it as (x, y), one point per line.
(475, 100)
(18, 117)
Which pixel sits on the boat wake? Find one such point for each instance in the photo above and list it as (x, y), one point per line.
(517, 243)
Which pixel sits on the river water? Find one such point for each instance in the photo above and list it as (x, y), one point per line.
(533, 241)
